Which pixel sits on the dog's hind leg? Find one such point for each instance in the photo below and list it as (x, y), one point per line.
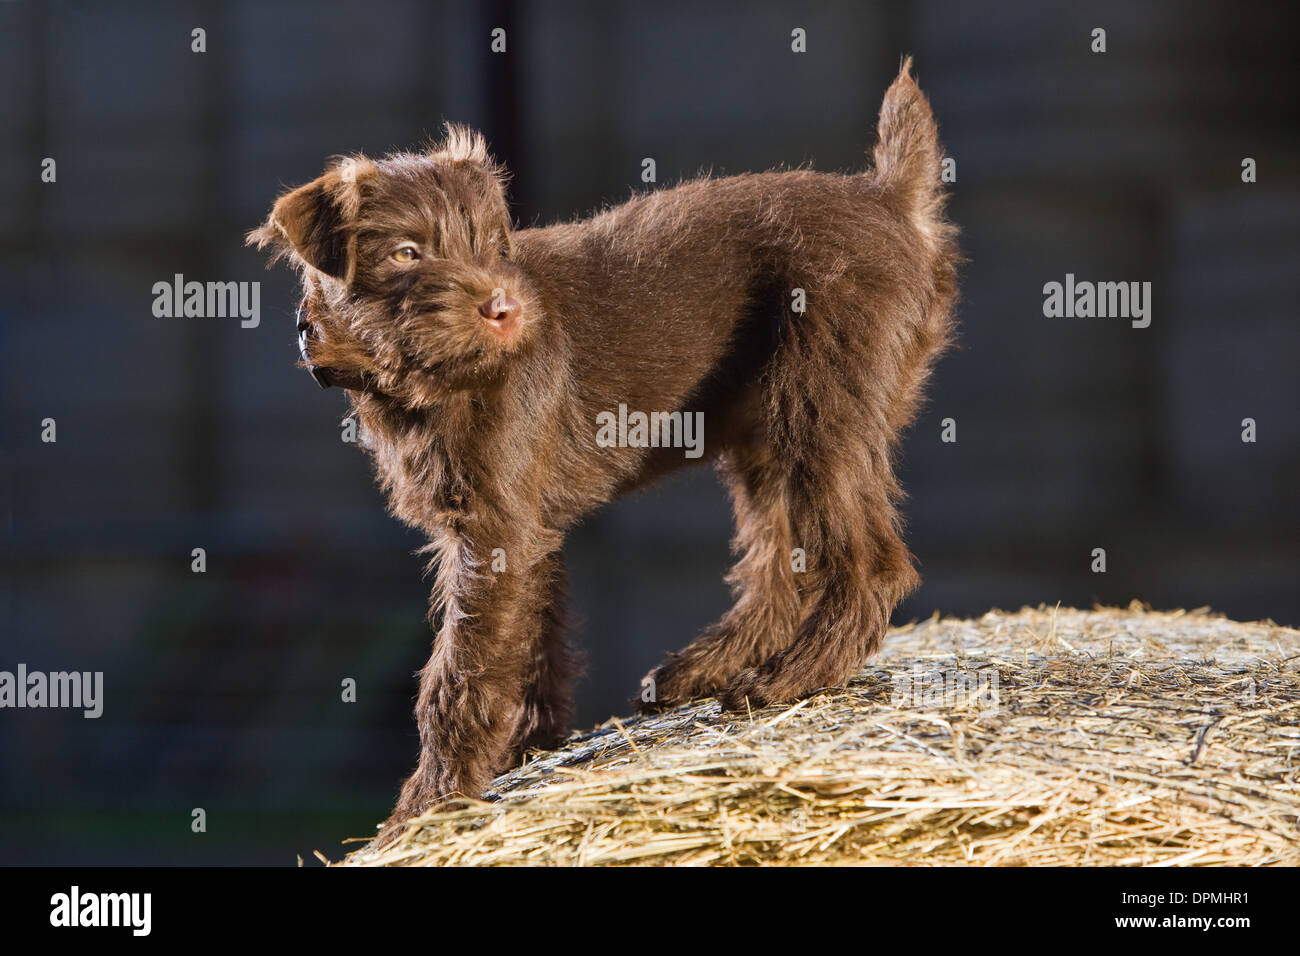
(848, 379)
(765, 582)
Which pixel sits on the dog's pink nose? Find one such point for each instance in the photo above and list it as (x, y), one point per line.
(503, 311)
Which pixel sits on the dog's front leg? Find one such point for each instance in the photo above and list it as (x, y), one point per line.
(493, 597)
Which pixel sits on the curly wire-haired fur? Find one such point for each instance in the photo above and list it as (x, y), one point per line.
(491, 351)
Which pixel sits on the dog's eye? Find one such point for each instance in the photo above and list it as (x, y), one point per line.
(406, 253)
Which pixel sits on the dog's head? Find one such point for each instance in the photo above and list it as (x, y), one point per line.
(407, 261)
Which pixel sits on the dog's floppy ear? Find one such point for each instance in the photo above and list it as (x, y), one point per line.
(317, 222)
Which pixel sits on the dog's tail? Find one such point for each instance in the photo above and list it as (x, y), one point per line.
(907, 155)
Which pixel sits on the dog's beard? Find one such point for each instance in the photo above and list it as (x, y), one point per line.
(426, 336)
(432, 352)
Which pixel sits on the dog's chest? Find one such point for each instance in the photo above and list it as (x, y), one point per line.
(425, 475)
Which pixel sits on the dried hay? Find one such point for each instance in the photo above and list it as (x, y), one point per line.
(1107, 737)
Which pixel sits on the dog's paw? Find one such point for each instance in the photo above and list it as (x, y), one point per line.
(669, 685)
(748, 690)
(773, 682)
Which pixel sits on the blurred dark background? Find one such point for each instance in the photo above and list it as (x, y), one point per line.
(222, 689)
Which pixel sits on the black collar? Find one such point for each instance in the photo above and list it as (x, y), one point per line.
(326, 377)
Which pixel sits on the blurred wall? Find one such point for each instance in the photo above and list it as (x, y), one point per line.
(223, 688)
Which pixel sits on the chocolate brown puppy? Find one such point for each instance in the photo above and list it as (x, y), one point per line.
(509, 381)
